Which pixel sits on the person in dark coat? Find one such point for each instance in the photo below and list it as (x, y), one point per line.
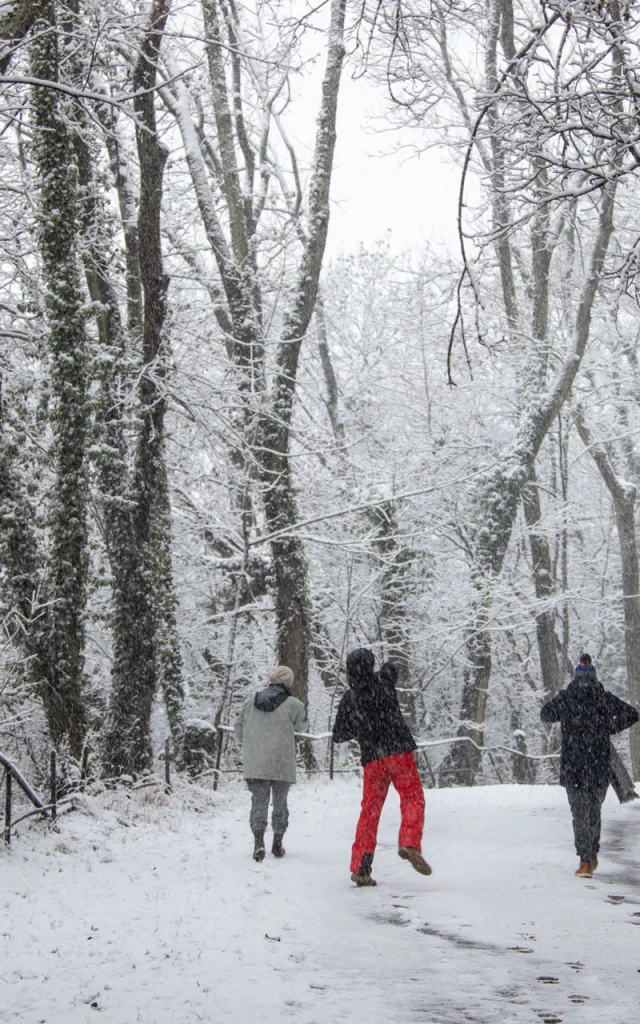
(588, 715)
(369, 713)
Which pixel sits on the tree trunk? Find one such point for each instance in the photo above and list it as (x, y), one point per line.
(545, 588)
(167, 641)
(264, 422)
(145, 622)
(27, 623)
(293, 618)
(15, 21)
(394, 567)
(63, 689)
(623, 495)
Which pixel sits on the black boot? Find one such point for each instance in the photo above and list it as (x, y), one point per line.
(258, 846)
(277, 848)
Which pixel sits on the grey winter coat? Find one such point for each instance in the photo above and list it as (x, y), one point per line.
(265, 729)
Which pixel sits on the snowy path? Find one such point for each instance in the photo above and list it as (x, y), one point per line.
(169, 920)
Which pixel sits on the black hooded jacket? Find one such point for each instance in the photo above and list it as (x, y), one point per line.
(271, 697)
(588, 714)
(369, 712)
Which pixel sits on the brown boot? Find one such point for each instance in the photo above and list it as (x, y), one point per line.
(363, 876)
(415, 858)
(585, 870)
(361, 880)
(277, 848)
(258, 846)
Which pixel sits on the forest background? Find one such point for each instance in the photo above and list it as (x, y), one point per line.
(223, 447)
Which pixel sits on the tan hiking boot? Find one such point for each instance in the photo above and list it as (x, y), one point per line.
(362, 880)
(585, 870)
(415, 858)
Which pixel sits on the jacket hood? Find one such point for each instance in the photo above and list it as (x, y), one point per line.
(271, 697)
(388, 675)
(584, 678)
(360, 675)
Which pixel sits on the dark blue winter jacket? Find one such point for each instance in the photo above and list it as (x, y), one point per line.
(369, 712)
(588, 715)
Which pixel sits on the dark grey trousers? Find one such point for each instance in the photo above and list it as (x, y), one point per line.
(260, 790)
(585, 804)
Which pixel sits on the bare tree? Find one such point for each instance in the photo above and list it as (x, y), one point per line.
(243, 169)
(539, 174)
(623, 495)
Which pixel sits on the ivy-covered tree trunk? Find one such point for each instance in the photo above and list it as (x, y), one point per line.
(24, 600)
(145, 636)
(62, 689)
(117, 501)
(167, 641)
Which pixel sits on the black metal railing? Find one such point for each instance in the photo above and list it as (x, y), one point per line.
(11, 775)
(223, 730)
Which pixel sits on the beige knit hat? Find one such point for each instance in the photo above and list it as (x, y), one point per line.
(283, 675)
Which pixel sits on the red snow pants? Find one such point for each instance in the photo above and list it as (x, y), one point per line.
(401, 770)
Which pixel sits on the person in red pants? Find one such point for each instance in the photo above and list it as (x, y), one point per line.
(369, 713)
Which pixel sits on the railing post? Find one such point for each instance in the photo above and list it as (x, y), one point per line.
(495, 768)
(54, 784)
(7, 807)
(218, 757)
(167, 764)
(331, 757)
(84, 771)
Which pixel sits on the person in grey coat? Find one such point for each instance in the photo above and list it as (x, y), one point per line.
(266, 728)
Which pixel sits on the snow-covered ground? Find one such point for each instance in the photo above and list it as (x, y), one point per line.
(151, 910)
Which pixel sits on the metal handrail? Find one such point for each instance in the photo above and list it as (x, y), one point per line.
(22, 782)
(421, 745)
(485, 750)
(11, 773)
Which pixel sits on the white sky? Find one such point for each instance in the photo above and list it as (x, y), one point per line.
(376, 190)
